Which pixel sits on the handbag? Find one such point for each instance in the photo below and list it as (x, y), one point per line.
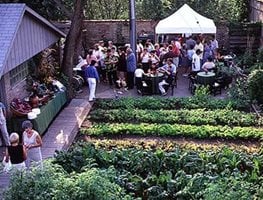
(7, 165)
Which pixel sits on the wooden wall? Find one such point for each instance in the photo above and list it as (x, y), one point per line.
(256, 7)
(32, 37)
(244, 36)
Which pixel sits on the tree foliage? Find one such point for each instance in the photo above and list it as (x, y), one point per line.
(103, 9)
(50, 9)
(229, 10)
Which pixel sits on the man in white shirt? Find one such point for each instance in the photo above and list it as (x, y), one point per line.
(3, 128)
(200, 46)
(196, 62)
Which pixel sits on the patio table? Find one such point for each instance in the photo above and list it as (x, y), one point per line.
(206, 78)
(153, 80)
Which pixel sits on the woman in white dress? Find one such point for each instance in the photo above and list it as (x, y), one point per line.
(32, 142)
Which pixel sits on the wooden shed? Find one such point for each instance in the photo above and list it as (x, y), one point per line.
(23, 34)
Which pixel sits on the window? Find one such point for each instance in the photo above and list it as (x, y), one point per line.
(18, 74)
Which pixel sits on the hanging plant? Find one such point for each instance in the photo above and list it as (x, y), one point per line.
(48, 65)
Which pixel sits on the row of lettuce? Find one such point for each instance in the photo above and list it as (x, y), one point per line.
(183, 116)
(157, 103)
(194, 117)
(88, 172)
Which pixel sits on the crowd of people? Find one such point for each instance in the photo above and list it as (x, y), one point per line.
(116, 66)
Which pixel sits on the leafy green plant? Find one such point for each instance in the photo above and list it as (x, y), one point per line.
(202, 93)
(54, 183)
(157, 103)
(255, 82)
(183, 116)
(260, 55)
(167, 145)
(176, 174)
(239, 92)
(204, 131)
(228, 188)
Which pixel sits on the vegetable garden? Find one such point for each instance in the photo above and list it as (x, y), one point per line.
(109, 167)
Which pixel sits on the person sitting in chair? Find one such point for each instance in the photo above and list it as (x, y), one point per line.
(169, 70)
(153, 68)
(209, 65)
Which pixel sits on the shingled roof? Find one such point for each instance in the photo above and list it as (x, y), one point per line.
(10, 18)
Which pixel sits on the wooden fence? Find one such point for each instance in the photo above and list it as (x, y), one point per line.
(245, 36)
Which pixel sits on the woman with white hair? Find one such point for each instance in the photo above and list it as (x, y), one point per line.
(32, 142)
(16, 153)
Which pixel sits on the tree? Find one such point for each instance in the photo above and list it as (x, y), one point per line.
(150, 9)
(105, 9)
(46, 7)
(72, 42)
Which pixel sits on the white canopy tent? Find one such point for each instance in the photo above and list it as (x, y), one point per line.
(185, 20)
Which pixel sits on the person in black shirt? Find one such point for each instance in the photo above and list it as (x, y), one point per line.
(16, 152)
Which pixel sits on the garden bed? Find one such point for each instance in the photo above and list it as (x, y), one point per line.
(187, 150)
(157, 103)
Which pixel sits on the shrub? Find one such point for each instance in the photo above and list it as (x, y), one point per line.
(255, 85)
(229, 188)
(54, 183)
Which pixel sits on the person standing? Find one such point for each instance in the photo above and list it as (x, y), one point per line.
(171, 54)
(16, 153)
(111, 62)
(214, 45)
(145, 58)
(90, 57)
(196, 64)
(131, 66)
(92, 76)
(122, 68)
(207, 50)
(3, 127)
(200, 46)
(32, 142)
(190, 42)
